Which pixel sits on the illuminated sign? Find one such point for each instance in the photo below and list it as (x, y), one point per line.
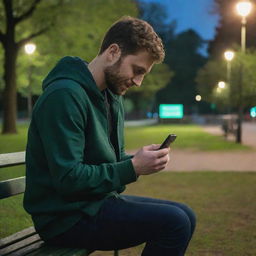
(171, 111)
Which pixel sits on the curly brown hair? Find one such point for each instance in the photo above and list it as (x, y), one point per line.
(132, 35)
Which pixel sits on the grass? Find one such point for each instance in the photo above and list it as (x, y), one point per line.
(223, 201)
(14, 142)
(188, 137)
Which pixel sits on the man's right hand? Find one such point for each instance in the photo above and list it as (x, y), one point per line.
(149, 159)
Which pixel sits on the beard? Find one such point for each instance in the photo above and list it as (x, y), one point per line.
(116, 83)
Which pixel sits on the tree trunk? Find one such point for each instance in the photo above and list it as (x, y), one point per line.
(10, 93)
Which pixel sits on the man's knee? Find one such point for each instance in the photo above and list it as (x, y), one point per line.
(177, 222)
(176, 231)
(190, 213)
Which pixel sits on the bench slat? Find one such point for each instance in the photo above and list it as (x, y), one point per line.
(28, 242)
(12, 187)
(18, 246)
(4, 242)
(28, 249)
(11, 159)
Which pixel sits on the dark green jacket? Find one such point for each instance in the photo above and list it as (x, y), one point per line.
(71, 165)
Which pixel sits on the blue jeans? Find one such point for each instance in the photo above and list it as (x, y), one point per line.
(166, 227)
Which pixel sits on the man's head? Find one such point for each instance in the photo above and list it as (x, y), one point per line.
(133, 35)
(131, 47)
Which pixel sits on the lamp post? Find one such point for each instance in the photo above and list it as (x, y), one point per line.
(243, 9)
(30, 49)
(229, 55)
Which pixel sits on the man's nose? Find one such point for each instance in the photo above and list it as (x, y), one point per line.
(137, 80)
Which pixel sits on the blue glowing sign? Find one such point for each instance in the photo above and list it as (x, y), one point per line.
(171, 111)
(253, 112)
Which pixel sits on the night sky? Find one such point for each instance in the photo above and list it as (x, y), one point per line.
(195, 14)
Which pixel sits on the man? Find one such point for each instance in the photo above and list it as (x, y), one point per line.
(76, 165)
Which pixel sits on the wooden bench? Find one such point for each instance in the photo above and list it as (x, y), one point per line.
(27, 241)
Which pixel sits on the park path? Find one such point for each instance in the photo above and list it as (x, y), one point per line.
(189, 160)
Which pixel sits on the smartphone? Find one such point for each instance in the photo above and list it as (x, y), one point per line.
(171, 138)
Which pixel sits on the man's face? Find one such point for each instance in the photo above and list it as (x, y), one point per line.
(128, 71)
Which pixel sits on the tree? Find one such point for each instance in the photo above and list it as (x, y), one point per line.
(14, 14)
(157, 16)
(228, 34)
(67, 38)
(215, 71)
(65, 28)
(154, 81)
(208, 77)
(182, 55)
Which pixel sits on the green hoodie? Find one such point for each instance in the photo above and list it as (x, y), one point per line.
(71, 165)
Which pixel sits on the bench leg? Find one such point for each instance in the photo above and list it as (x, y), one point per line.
(116, 253)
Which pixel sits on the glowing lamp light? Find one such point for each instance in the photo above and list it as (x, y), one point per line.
(198, 98)
(243, 8)
(221, 85)
(30, 48)
(229, 55)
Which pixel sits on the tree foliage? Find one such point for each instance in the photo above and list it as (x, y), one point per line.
(182, 55)
(58, 27)
(78, 31)
(156, 15)
(142, 96)
(242, 74)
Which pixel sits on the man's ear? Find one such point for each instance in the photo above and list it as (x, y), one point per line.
(113, 53)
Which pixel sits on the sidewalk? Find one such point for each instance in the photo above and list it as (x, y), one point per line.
(184, 160)
(188, 160)
(248, 133)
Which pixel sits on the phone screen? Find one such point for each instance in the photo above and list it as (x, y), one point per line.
(171, 138)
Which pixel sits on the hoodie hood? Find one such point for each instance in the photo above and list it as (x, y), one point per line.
(72, 68)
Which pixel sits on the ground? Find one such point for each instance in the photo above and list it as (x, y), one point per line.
(189, 160)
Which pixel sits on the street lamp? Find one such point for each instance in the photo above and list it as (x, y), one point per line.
(243, 9)
(30, 49)
(229, 56)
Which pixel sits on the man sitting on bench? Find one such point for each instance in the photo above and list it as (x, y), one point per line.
(76, 168)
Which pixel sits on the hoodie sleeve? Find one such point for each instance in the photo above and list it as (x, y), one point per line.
(61, 122)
